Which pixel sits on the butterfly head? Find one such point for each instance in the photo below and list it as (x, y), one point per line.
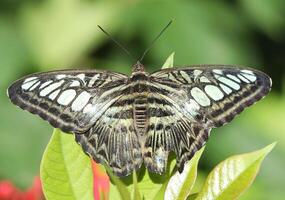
(138, 67)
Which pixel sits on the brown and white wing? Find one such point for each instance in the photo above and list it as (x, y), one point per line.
(197, 98)
(71, 100)
(170, 130)
(112, 139)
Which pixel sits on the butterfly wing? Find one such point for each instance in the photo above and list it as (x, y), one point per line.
(197, 98)
(112, 139)
(71, 100)
(213, 92)
(170, 130)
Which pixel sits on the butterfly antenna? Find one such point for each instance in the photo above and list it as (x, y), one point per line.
(156, 38)
(117, 43)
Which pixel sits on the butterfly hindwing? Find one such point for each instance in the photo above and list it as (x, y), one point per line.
(112, 139)
(69, 99)
(169, 130)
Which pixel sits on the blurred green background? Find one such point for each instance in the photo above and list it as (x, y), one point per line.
(52, 34)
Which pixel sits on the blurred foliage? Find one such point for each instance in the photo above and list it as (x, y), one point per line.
(50, 34)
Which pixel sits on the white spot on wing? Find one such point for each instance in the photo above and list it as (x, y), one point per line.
(75, 83)
(233, 78)
(35, 85)
(243, 78)
(45, 84)
(53, 95)
(247, 71)
(51, 88)
(200, 97)
(60, 76)
(250, 77)
(185, 76)
(192, 107)
(218, 71)
(197, 72)
(229, 83)
(66, 97)
(28, 84)
(226, 89)
(93, 79)
(203, 79)
(30, 79)
(81, 76)
(80, 101)
(214, 92)
(88, 108)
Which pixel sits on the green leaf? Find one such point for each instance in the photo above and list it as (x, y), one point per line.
(171, 168)
(180, 185)
(192, 196)
(118, 186)
(65, 170)
(149, 184)
(233, 176)
(169, 61)
(137, 195)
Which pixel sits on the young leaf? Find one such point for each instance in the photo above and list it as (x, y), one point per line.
(150, 184)
(65, 170)
(137, 195)
(233, 176)
(120, 187)
(160, 194)
(180, 185)
(169, 62)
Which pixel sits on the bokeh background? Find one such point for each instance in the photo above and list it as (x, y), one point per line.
(41, 35)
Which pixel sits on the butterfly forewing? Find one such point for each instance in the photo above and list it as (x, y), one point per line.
(71, 100)
(212, 94)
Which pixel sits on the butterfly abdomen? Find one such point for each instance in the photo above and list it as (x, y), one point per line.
(140, 106)
(140, 114)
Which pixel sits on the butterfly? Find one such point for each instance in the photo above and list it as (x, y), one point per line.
(125, 121)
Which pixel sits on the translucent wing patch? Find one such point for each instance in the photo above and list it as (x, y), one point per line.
(71, 100)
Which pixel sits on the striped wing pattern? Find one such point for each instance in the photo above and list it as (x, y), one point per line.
(170, 130)
(126, 121)
(113, 139)
(67, 99)
(201, 98)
